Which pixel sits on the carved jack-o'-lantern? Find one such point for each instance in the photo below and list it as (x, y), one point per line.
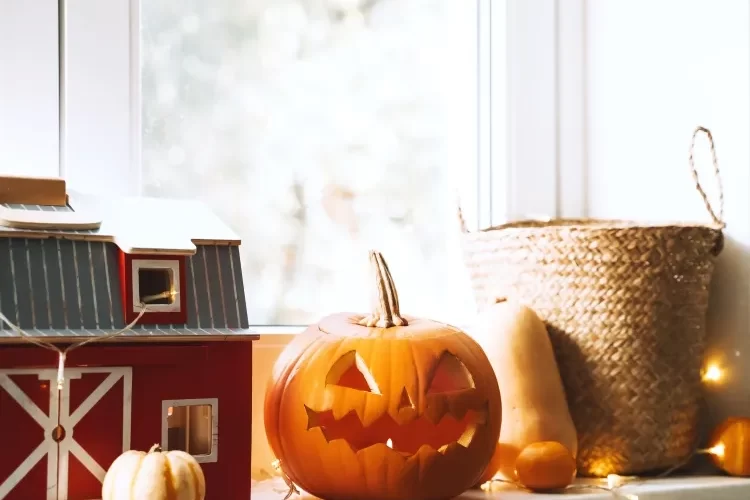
(383, 406)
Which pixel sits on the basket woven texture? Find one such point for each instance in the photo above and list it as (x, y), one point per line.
(625, 306)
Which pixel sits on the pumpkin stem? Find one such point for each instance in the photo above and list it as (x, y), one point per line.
(386, 311)
(155, 449)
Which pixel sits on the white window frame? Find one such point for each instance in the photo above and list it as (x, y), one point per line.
(100, 96)
(531, 158)
(172, 266)
(547, 159)
(214, 404)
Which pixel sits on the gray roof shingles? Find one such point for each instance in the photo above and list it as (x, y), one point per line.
(59, 287)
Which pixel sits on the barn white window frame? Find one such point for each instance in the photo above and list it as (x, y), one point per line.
(531, 67)
(170, 266)
(213, 403)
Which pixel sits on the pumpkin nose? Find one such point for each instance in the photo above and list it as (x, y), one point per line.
(405, 400)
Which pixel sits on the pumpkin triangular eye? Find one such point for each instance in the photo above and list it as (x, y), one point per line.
(405, 400)
(350, 371)
(449, 375)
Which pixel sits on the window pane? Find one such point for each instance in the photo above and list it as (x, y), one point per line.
(189, 429)
(319, 129)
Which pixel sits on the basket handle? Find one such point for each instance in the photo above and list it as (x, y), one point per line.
(718, 219)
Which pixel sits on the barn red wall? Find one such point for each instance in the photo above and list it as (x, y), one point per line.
(22, 435)
(210, 370)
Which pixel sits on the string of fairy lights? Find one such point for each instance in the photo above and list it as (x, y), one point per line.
(63, 352)
(712, 374)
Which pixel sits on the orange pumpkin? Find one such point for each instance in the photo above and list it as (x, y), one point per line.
(383, 406)
(547, 465)
(730, 446)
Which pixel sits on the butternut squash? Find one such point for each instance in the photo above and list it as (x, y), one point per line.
(534, 407)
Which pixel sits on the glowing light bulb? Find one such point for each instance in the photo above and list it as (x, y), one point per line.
(389, 443)
(713, 374)
(717, 450)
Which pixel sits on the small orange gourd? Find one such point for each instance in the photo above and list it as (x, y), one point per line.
(383, 406)
(535, 408)
(545, 466)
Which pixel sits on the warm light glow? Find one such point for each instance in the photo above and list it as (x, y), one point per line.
(713, 373)
(717, 450)
(601, 468)
(614, 481)
(170, 410)
(389, 443)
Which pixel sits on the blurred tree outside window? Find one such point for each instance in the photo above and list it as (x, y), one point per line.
(318, 129)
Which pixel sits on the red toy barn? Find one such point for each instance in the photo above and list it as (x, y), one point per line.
(179, 377)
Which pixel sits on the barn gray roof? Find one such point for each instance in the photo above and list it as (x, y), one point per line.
(62, 285)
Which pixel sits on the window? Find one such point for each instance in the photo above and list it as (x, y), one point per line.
(316, 129)
(156, 281)
(191, 425)
(152, 283)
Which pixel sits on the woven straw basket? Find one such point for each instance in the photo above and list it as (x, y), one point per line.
(625, 305)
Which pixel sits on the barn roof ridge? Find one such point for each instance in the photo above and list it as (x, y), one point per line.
(136, 224)
(71, 266)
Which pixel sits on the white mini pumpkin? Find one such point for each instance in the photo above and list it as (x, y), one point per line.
(156, 475)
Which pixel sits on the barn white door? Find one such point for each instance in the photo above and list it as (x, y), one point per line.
(58, 447)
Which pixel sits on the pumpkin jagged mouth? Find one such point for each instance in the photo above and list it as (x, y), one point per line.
(406, 439)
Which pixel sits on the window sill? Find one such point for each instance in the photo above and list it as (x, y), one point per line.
(264, 330)
(680, 488)
(677, 488)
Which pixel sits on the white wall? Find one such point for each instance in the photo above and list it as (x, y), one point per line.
(29, 87)
(654, 69)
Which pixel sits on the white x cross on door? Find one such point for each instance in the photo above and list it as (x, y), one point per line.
(58, 452)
